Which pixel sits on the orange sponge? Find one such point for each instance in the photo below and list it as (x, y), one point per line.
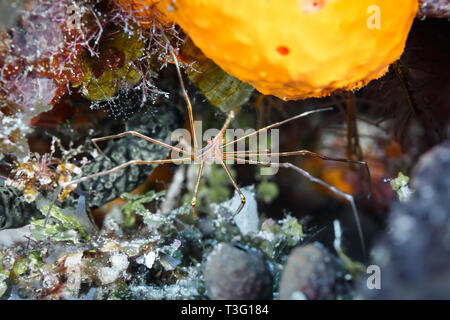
(296, 49)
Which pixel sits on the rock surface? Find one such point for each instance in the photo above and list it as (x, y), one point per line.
(247, 220)
(233, 274)
(309, 273)
(14, 212)
(434, 9)
(415, 253)
(158, 123)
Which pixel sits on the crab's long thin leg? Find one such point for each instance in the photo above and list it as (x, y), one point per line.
(316, 155)
(186, 97)
(124, 165)
(246, 153)
(333, 189)
(137, 134)
(236, 187)
(54, 197)
(227, 123)
(197, 184)
(218, 139)
(277, 124)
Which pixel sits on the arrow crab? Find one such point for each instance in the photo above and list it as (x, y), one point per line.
(218, 149)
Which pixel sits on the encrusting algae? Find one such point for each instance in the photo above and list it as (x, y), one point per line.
(114, 64)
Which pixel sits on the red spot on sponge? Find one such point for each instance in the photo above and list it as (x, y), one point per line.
(283, 50)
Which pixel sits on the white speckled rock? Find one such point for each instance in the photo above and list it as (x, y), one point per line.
(247, 220)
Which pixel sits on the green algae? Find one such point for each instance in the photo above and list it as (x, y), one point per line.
(132, 46)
